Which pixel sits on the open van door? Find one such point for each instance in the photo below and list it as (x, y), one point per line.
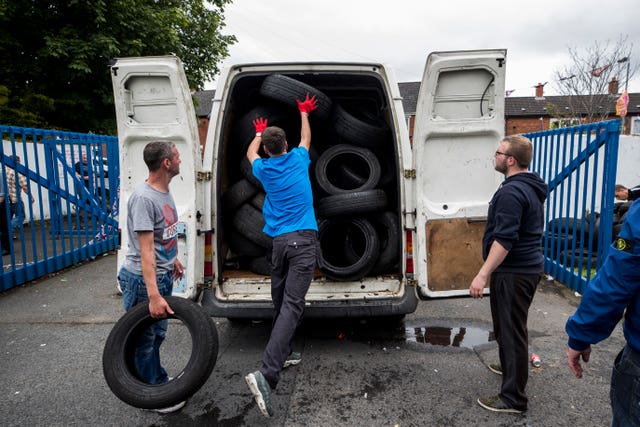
(459, 123)
(153, 102)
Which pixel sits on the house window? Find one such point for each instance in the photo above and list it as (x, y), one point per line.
(635, 125)
(564, 122)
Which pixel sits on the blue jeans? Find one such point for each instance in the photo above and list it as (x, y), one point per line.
(17, 214)
(147, 353)
(625, 388)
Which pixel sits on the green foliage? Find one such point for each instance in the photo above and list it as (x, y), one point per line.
(54, 55)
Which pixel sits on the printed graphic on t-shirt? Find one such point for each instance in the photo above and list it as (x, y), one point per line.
(170, 232)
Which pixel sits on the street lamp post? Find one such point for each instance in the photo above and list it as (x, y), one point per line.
(626, 87)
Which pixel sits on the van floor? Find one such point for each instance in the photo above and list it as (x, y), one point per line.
(243, 274)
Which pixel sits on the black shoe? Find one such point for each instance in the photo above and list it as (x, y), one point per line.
(495, 404)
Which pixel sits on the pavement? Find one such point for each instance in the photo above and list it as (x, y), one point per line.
(428, 370)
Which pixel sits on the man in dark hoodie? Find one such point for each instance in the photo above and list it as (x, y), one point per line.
(513, 265)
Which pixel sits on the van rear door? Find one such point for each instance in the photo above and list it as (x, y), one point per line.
(459, 123)
(153, 102)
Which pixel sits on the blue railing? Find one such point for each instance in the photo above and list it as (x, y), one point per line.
(68, 213)
(579, 165)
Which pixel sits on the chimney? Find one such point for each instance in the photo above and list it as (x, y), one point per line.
(539, 90)
(613, 86)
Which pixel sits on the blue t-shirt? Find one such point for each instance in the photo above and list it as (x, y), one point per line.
(288, 205)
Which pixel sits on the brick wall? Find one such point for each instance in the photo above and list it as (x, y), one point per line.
(525, 124)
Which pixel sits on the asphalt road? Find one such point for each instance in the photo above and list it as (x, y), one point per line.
(427, 371)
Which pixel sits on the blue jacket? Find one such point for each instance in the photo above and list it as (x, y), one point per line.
(615, 288)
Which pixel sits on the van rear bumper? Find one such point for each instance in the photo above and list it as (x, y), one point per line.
(353, 308)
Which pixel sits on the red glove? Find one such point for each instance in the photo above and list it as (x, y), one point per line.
(308, 105)
(260, 124)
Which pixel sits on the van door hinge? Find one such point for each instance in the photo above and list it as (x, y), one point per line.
(203, 176)
(410, 173)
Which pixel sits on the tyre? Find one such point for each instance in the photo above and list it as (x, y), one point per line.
(260, 265)
(238, 194)
(247, 172)
(365, 130)
(242, 246)
(287, 90)
(333, 234)
(258, 200)
(348, 204)
(339, 167)
(250, 222)
(117, 358)
(244, 131)
(388, 230)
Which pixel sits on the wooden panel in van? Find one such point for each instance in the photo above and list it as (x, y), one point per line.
(454, 252)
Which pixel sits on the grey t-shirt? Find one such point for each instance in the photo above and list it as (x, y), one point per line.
(152, 210)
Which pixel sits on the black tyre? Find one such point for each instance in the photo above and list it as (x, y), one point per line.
(333, 234)
(242, 246)
(388, 229)
(276, 116)
(260, 265)
(258, 200)
(118, 365)
(348, 204)
(287, 90)
(247, 172)
(238, 194)
(365, 130)
(250, 222)
(360, 163)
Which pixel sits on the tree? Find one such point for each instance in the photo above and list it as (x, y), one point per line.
(54, 55)
(586, 80)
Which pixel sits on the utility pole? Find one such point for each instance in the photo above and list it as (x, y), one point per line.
(626, 87)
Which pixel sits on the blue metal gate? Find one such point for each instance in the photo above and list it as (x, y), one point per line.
(579, 165)
(67, 212)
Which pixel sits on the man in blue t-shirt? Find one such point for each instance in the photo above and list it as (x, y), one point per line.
(290, 220)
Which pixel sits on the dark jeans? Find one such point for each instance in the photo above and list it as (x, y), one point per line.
(293, 261)
(511, 296)
(147, 353)
(625, 388)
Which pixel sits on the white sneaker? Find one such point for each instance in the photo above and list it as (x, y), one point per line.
(171, 409)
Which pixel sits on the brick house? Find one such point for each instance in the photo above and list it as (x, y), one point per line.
(522, 114)
(533, 113)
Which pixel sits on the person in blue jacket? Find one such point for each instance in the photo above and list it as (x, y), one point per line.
(513, 264)
(614, 291)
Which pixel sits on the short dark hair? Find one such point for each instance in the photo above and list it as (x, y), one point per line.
(521, 148)
(274, 138)
(155, 152)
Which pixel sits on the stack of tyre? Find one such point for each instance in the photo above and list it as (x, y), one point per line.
(568, 239)
(353, 177)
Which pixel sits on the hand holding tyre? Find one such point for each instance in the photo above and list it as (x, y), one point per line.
(260, 124)
(308, 105)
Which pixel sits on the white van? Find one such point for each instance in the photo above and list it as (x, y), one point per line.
(436, 190)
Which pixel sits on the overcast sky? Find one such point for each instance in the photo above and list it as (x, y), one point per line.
(401, 33)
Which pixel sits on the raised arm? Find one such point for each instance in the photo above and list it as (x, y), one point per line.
(305, 107)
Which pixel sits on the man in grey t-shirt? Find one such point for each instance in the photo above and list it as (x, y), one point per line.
(151, 262)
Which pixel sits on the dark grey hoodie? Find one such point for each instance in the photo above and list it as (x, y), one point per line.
(516, 221)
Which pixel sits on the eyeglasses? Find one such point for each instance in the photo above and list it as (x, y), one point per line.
(497, 153)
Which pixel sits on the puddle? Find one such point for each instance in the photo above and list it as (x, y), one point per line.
(464, 336)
